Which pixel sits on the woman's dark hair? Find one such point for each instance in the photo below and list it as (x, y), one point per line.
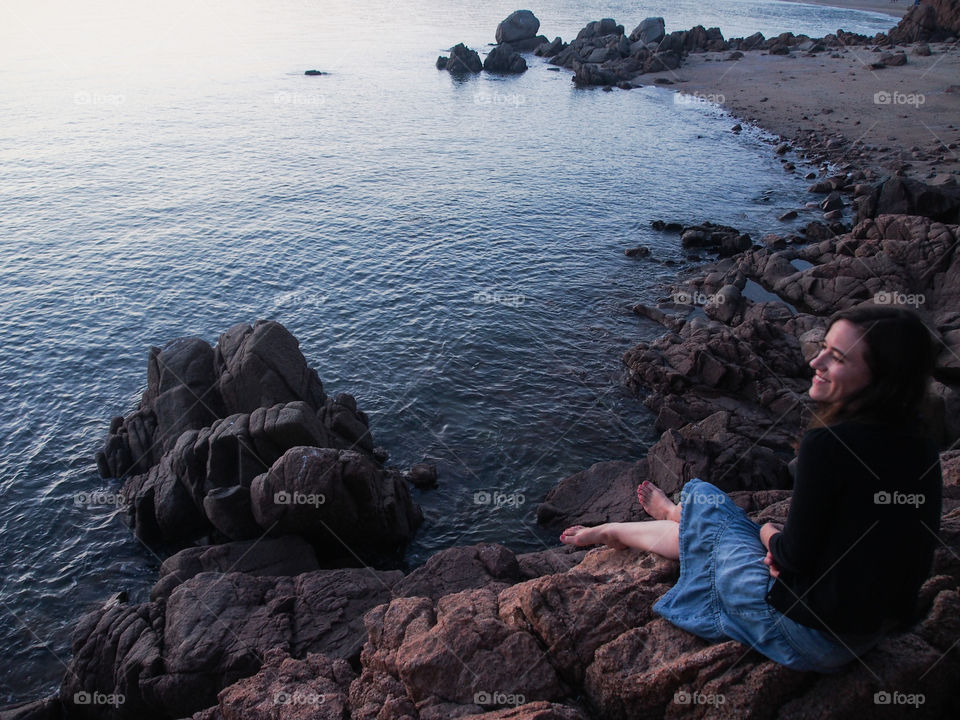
(900, 354)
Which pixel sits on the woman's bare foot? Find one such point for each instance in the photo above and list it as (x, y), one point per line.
(582, 536)
(656, 502)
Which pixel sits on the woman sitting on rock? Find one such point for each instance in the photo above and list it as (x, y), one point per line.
(859, 537)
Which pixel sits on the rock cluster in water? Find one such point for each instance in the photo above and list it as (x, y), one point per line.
(515, 34)
(240, 440)
(604, 54)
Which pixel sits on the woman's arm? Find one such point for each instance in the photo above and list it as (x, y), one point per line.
(822, 462)
(767, 531)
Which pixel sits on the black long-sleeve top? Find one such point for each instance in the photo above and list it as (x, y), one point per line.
(859, 537)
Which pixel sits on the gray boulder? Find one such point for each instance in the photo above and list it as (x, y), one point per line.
(462, 60)
(503, 60)
(518, 25)
(190, 385)
(651, 30)
(341, 499)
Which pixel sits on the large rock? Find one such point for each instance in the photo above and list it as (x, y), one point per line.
(169, 658)
(605, 492)
(261, 366)
(651, 30)
(313, 688)
(503, 60)
(483, 643)
(456, 657)
(462, 60)
(190, 385)
(722, 239)
(213, 419)
(518, 25)
(575, 613)
(339, 499)
(931, 20)
(462, 568)
(905, 196)
(286, 556)
(202, 482)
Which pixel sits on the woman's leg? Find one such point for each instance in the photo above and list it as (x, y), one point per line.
(659, 536)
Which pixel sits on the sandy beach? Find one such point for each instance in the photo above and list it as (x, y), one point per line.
(904, 118)
(896, 8)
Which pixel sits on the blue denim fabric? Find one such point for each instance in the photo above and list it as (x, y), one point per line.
(721, 593)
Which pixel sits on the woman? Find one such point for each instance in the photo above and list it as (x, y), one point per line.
(859, 537)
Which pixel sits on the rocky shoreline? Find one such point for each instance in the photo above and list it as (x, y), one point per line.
(265, 613)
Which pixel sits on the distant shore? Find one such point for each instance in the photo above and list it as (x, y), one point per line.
(896, 9)
(895, 118)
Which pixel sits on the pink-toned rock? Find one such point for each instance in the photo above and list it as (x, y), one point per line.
(170, 658)
(605, 492)
(533, 711)
(457, 658)
(314, 688)
(576, 612)
(462, 568)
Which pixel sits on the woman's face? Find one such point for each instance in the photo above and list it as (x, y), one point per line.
(841, 366)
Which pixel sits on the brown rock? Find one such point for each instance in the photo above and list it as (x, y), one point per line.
(287, 556)
(314, 688)
(605, 492)
(340, 499)
(171, 657)
(575, 613)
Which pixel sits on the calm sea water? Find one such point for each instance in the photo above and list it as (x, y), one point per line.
(449, 251)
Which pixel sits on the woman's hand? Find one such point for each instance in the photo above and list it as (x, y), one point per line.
(767, 531)
(768, 560)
